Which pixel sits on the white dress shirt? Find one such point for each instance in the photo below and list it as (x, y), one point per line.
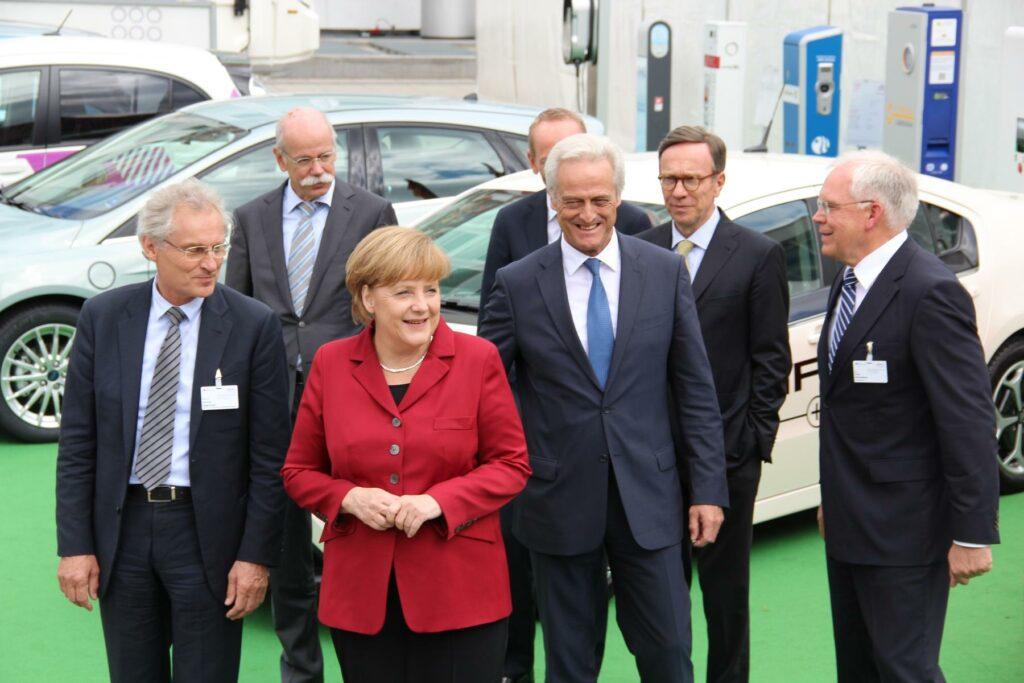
(554, 229)
(578, 280)
(701, 238)
(291, 216)
(156, 332)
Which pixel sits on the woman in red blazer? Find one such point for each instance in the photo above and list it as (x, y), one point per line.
(407, 443)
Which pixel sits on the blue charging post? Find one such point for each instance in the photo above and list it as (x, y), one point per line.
(811, 66)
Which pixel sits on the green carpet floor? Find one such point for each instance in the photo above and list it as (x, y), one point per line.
(44, 638)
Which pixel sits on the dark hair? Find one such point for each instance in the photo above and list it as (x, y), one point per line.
(696, 134)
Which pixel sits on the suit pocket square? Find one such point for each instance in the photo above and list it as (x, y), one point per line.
(454, 422)
(905, 469)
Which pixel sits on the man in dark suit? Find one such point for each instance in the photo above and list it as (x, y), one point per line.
(739, 283)
(174, 430)
(599, 328)
(521, 228)
(288, 250)
(909, 483)
(527, 224)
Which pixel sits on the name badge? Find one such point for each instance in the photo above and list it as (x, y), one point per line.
(219, 397)
(869, 370)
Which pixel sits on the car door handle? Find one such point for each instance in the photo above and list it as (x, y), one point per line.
(815, 334)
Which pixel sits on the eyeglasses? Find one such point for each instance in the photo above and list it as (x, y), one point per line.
(198, 252)
(828, 207)
(306, 162)
(690, 182)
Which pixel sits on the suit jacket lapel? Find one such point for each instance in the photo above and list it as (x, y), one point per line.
(131, 340)
(368, 372)
(631, 297)
(720, 250)
(876, 301)
(435, 365)
(537, 222)
(335, 234)
(214, 331)
(273, 233)
(551, 282)
(825, 378)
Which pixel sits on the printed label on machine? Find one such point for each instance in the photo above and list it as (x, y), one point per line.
(942, 68)
(944, 33)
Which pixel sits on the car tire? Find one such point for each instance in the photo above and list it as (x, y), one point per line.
(1007, 373)
(35, 343)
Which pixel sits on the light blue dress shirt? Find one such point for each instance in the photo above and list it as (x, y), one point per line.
(156, 332)
(701, 238)
(291, 217)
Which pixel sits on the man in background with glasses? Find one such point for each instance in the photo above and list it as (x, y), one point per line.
(288, 250)
(739, 284)
(173, 434)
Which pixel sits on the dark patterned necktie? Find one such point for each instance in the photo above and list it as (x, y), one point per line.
(153, 464)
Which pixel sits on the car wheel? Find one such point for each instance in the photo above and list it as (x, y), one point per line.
(35, 343)
(1007, 371)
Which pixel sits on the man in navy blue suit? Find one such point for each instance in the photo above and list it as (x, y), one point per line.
(909, 482)
(169, 497)
(600, 328)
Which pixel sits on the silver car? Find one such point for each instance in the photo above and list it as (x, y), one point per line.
(68, 232)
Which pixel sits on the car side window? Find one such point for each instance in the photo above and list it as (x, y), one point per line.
(791, 226)
(947, 234)
(95, 103)
(246, 176)
(425, 163)
(183, 94)
(19, 98)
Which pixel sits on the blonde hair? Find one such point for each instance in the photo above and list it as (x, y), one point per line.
(389, 255)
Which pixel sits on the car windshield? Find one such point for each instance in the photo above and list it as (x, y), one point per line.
(463, 230)
(107, 175)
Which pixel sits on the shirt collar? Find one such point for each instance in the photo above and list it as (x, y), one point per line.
(160, 305)
(870, 267)
(291, 200)
(701, 237)
(551, 210)
(573, 259)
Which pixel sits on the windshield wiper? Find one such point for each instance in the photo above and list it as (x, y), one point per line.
(10, 201)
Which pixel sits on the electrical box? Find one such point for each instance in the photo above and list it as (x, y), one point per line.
(725, 67)
(811, 69)
(654, 86)
(922, 82)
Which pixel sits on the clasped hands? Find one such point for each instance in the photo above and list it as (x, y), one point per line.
(381, 510)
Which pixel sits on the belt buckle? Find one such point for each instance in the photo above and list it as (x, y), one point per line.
(151, 499)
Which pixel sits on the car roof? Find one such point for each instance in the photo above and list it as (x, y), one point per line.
(192, 64)
(748, 177)
(250, 113)
(17, 29)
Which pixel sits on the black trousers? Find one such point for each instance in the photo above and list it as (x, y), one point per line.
(724, 575)
(399, 655)
(522, 624)
(651, 600)
(887, 621)
(293, 591)
(158, 602)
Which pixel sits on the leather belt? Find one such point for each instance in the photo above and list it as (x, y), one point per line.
(159, 494)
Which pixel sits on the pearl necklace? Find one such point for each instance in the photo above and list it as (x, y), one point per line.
(408, 367)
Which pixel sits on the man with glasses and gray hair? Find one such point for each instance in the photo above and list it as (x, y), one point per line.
(173, 434)
(739, 284)
(909, 487)
(288, 250)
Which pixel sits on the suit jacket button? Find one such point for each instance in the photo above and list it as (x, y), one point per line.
(394, 450)
(395, 422)
(393, 479)
(302, 323)
(604, 457)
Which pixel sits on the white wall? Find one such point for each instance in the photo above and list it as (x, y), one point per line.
(519, 58)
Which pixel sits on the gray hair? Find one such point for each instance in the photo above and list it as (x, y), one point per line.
(279, 130)
(880, 177)
(584, 147)
(156, 217)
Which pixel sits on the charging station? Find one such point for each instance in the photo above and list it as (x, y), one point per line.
(654, 86)
(922, 81)
(811, 69)
(1009, 157)
(725, 68)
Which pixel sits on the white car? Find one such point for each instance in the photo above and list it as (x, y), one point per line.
(61, 93)
(977, 233)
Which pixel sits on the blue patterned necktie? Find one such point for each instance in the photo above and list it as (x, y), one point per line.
(156, 442)
(301, 258)
(600, 337)
(847, 298)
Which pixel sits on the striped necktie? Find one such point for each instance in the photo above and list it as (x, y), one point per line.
(600, 336)
(301, 258)
(847, 299)
(156, 443)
